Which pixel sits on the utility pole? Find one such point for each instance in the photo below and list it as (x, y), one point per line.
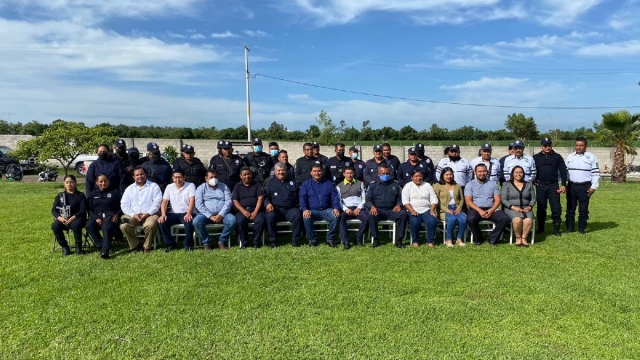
(246, 65)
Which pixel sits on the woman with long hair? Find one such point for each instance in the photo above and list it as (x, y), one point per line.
(518, 198)
(450, 206)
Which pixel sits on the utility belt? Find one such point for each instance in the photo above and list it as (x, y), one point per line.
(547, 182)
(580, 183)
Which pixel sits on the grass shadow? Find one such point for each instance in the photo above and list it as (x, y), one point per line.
(601, 225)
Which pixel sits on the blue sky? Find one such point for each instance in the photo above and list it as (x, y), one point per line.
(180, 62)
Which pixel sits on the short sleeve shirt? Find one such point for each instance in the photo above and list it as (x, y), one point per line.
(248, 195)
(482, 193)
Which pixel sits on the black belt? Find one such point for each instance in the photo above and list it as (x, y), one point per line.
(580, 183)
(547, 182)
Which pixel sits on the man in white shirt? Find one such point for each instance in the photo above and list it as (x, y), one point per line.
(140, 204)
(182, 197)
(462, 171)
(493, 165)
(519, 158)
(584, 178)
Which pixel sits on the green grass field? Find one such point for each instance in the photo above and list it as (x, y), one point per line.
(570, 297)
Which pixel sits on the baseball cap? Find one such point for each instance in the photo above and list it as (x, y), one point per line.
(315, 144)
(412, 150)
(187, 148)
(133, 150)
(256, 141)
(152, 147)
(354, 149)
(226, 144)
(486, 146)
(454, 147)
(546, 141)
(419, 147)
(220, 142)
(518, 143)
(120, 143)
(377, 147)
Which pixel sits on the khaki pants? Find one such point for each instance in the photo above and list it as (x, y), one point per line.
(150, 227)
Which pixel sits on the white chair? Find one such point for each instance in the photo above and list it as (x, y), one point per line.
(391, 230)
(486, 226)
(212, 230)
(442, 227)
(156, 239)
(533, 231)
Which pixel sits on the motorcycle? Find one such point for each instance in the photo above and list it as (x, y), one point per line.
(47, 175)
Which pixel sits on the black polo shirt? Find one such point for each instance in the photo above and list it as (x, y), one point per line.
(248, 195)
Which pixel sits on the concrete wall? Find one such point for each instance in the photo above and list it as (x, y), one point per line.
(12, 140)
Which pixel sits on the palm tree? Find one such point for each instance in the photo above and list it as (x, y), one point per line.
(624, 128)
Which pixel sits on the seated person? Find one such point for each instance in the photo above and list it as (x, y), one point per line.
(104, 214)
(140, 205)
(213, 201)
(319, 201)
(384, 201)
(421, 203)
(281, 199)
(518, 199)
(69, 212)
(182, 197)
(352, 198)
(248, 197)
(483, 199)
(450, 203)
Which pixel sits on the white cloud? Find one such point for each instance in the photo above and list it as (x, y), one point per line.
(226, 34)
(622, 48)
(460, 16)
(197, 37)
(298, 97)
(626, 17)
(564, 12)
(255, 33)
(488, 83)
(174, 35)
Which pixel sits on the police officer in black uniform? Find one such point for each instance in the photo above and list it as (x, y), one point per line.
(357, 163)
(408, 168)
(158, 169)
(194, 170)
(501, 178)
(227, 165)
(304, 164)
(391, 159)
(371, 166)
(315, 146)
(384, 202)
(133, 155)
(336, 164)
(427, 160)
(104, 214)
(281, 202)
(107, 165)
(274, 151)
(549, 164)
(259, 162)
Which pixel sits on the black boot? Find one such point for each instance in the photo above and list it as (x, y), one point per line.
(556, 229)
(399, 244)
(375, 243)
(66, 250)
(79, 249)
(347, 246)
(104, 254)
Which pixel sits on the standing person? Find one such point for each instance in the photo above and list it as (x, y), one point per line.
(494, 168)
(337, 164)
(519, 158)
(134, 161)
(482, 197)
(422, 157)
(392, 160)
(550, 165)
(281, 200)
(274, 151)
(384, 201)
(213, 201)
(121, 154)
(290, 171)
(69, 212)
(502, 160)
(421, 203)
(227, 165)
(357, 164)
(462, 171)
(450, 206)
(158, 170)
(104, 214)
(181, 195)
(319, 200)
(371, 166)
(259, 162)
(108, 166)
(193, 169)
(248, 198)
(407, 169)
(352, 199)
(305, 163)
(315, 146)
(584, 177)
(120, 150)
(518, 199)
(140, 205)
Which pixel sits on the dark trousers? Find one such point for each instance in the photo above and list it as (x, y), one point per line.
(109, 229)
(499, 218)
(76, 227)
(548, 192)
(175, 219)
(577, 197)
(364, 222)
(242, 228)
(292, 215)
(387, 214)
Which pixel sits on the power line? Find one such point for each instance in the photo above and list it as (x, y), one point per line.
(447, 102)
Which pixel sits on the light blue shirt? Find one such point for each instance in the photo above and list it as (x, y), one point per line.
(482, 193)
(213, 201)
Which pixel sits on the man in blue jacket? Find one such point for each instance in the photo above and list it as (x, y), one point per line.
(108, 166)
(319, 200)
(384, 201)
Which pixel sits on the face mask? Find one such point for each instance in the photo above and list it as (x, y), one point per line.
(354, 156)
(275, 152)
(213, 182)
(135, 157)
(341, 154)
(103, 156)
(121, 152)
(257, 148)
(385, 178)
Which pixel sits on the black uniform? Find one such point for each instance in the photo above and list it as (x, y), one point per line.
(227, 170)
(260, 164)
(194, 172)
(406, 170)
(430, 165)
(335, 168)
(359, 166)
(68, 205)
(303, 168)
(501, 178)
(548, 166)
(111, 168)
(385, 196)
(158, 171)
(371, 170)
(291, 173)
(127, 166)
(395, 164)
(283, 195)
(103, 205)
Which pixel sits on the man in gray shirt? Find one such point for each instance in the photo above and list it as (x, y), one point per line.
(482, 197)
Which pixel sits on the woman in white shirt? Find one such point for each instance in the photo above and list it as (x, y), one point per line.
(420, 201)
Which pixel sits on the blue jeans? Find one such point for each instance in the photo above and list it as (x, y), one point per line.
(175, 219)
(460, 219)
(415, 223)
(200, 222)
(326, 215)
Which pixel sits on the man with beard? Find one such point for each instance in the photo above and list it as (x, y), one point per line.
(482, 197)
(193, 169)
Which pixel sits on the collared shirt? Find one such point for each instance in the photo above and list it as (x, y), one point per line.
(583, 168)
(548, 166)
(493, 167)
(213, 201)
(527, 164)
(371, 170)
(462, 172)
(318, 195)
(179, 198)
(281, 194)
(406, 171)
(420, 197)
(144, 199)
(347, 192)
(482, 193)
(383, 195)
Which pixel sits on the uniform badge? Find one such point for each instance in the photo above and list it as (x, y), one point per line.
(275, 194)
(291, 182)
(406, 174)
(421, 165)
(109, 195)
(347, 163)
(237, 162)
(393, 188)
(360, 166)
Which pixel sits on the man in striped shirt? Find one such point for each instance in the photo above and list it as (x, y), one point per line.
(494, 168)
(584, 176)
(519, 158)
(462, 171)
